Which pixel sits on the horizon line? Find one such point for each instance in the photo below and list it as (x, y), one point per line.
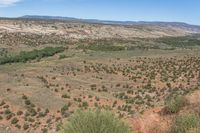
(95, 19)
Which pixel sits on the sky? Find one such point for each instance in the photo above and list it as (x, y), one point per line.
(122, 10)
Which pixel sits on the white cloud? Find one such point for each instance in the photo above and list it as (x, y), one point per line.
(8, 2)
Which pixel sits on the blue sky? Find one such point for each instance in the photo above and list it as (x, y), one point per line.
(124, 10)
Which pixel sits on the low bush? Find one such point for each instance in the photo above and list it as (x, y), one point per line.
(85, 104)
(1, 118)
(95, 122)
(14, 120)
(25, 126)
(174, 105)
(185, 123)
(62, 56)
(65, 96)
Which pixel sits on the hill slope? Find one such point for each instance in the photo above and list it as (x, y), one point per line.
(72, 28)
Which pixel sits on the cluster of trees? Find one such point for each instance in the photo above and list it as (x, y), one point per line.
(102, 47)
(185, 41)
(25, 56)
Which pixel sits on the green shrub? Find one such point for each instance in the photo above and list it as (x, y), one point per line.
(20, 112)
(65, 96)
(64, 112)
(62, 56)
(18, 126)
(64, 108)
(85, 104)
(32, 111)
(41, 114)
(174, 105)
(95, 122)
(24, 97)
(44, 130)
(7, 112)
(25, 126)
(185, 123)
(14, 120)
(2, 103)
(27, 102)
(9, 116)
(1, 118)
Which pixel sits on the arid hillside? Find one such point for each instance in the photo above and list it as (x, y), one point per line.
(77, 30)
(49, 69)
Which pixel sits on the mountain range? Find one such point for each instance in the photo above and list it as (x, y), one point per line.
(153, 23)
